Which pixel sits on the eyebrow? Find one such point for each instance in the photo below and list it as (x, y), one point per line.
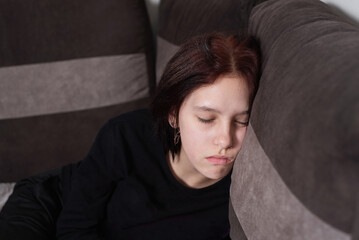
(208, 109)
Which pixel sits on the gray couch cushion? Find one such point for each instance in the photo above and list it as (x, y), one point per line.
(297, 174)
(182, 20)
(65, 68)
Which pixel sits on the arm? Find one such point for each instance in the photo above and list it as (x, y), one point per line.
(92, 185)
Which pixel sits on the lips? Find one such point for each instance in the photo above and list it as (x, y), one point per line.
(219, 160)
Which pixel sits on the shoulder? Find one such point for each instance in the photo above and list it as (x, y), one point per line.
(137, 122)
(132, 119)
(133, 139)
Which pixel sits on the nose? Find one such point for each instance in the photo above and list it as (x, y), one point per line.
(224, 138)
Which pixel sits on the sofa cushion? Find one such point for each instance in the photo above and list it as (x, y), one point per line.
(6, 190)
(65, 68)
(297, 174)
(181, 20)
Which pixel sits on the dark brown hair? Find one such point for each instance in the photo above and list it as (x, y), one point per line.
(199, 62)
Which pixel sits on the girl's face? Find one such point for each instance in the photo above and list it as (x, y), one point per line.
(213, 122)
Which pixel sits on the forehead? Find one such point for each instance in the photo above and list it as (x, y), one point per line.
(227, 94)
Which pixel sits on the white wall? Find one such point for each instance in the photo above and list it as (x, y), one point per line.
(152, 6)
(348, 7)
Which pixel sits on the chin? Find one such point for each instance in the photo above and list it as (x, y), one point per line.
(217, 175)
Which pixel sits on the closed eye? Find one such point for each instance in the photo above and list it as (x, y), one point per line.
(205, 120)
(242, 123)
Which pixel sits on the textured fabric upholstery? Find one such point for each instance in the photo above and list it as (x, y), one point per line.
(297, 175)
(65, 68)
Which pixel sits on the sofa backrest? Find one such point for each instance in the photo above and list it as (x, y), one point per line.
(297, 175)
(65, 68)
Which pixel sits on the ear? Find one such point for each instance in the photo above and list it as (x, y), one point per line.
(172, 120)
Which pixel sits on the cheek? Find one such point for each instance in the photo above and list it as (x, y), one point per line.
(194, 139)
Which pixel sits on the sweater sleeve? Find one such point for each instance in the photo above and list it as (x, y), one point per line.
(92, 185)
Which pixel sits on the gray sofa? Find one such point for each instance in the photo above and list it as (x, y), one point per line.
(297, 175)
(65, 68)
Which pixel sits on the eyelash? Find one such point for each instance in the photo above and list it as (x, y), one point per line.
(243, 123)
(207, 121)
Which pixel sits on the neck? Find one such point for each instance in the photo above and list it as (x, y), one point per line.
(186, 174)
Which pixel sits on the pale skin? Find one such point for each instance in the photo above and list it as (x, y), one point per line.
(213, 122)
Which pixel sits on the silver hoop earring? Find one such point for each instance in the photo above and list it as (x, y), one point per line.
(177, 136)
